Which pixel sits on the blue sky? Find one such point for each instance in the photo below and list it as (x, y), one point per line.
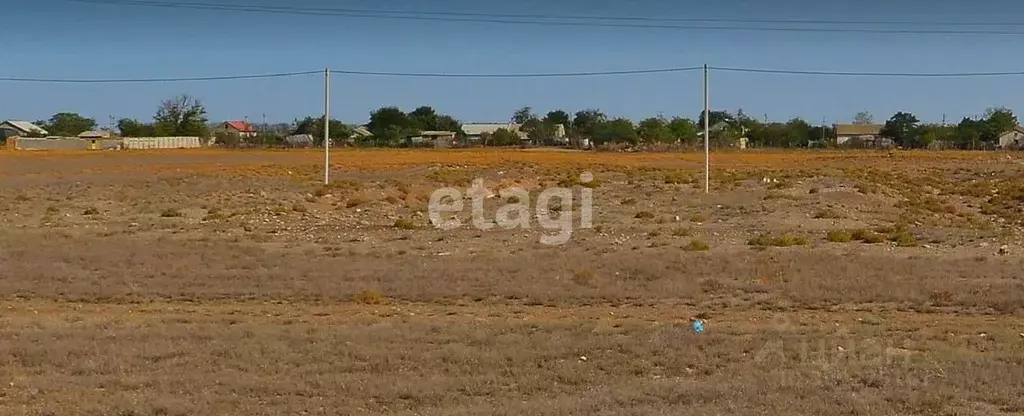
(61, 39)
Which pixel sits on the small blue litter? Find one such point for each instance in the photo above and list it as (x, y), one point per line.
(698, 326)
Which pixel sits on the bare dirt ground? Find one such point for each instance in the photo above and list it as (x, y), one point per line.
(236, 283)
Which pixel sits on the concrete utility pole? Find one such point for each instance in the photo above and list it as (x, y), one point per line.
(707, 135)
(327, 126)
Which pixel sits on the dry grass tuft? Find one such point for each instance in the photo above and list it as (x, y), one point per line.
(839, 236)
(370, 297)
(785, 240)
(697, 245)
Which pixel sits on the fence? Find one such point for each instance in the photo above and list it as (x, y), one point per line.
(133, 143)
(142, 143)
(64, 143)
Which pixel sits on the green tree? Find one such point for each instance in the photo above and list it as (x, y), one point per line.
(714, 117)
(863, 117)
(619, 130)
(181, 116)
(523, 115)
(998, 120)
(314, 126)
(557, 117)
(798, 133)
(502, 137)
(655, 130)
(969, 133)
(68, 124)
(684, 130)
(903, 129)
(586, 122)
(391, 126)
(129, 127)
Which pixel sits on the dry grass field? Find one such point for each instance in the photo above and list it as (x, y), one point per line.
(234, 283)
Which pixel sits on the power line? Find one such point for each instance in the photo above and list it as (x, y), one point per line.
(422, 16)
(535, 75)
(872, 74)
(154, 80)
(569, 17)
(520, 75)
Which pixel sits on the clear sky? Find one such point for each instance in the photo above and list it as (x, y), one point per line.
(62, 39)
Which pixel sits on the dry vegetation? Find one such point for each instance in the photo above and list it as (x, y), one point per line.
(235, 283)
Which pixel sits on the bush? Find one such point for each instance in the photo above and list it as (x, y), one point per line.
(869, 237)
(369, 297)
(644, 215)
(697, 245)
(839, 236)
(778, 241)
(904, 239)
(682, 232)
(170, 213)
(405, 224)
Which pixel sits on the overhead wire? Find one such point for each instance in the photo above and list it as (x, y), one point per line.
(576, 17)
(155, 80)
(518, 75)
(503, 19)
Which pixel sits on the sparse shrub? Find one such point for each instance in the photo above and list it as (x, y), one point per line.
(813, 191)
(644, 215)
(677, 178)
(583, 277)
(942, 297)
(22, 198)
(512, 200)
(904, 239)
(682, 232)
(629, 201)
(370, 297)
(868, 237)
(827, 213)
(356, 201)
(321, 192)
(299, 207)
(839, 236)
(779, 195)
(698, 218)
(171, 213)
(697, 245)
(654, 233)
(778, 241)
(405, 224)
(52, 209)
(866, 188)
(91, 211)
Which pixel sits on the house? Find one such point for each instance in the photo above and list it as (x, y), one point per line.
(96, 134)
(11, 128)
(360, 132)
(1012, 139)
(437, 139)
(475, 131)
(299, 140)
(869, 134)
(236, 127)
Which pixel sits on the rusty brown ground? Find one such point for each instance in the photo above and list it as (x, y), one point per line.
(216, 282)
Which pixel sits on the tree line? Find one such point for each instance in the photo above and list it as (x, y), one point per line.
(392, 127)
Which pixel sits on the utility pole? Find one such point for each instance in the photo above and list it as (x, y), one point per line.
(707, 135)
(327, 125)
